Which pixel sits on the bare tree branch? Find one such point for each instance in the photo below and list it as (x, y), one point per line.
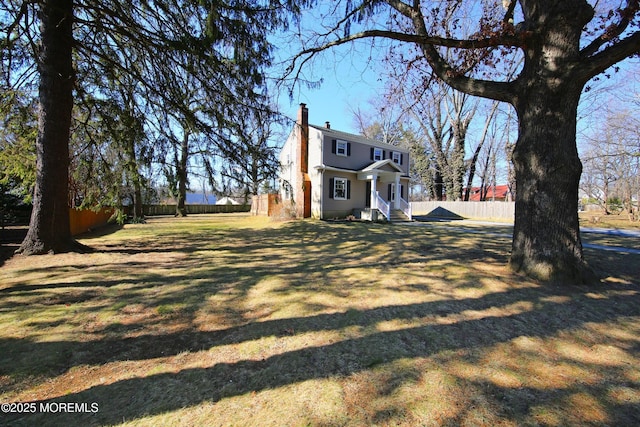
(615, 30)
(604, 59)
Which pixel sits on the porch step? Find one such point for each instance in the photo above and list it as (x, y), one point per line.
(397, 215)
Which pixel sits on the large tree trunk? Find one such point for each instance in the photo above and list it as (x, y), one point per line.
(255, 176)
(49, 229)
(546, 240)
(438, 184)
(138, 202)
(182, 176)
(134, 175)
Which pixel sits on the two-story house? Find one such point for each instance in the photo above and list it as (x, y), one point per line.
(327, 174)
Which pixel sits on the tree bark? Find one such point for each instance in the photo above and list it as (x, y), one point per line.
(438, 184)
(546, 241)
(182, 176)
(49, 228)
(472, 171)
(134, 175)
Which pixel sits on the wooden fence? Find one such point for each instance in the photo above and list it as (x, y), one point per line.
(82, 221)
(484, 210)
(271, 205)
(153, 210)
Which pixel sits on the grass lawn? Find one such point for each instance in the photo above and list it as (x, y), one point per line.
(232, 320)
(615, 221)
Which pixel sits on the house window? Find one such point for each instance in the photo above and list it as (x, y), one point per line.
(341, 148)
(377, 154)
(397, 157)
(340, 188)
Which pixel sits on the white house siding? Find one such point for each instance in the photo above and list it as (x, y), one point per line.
(315, 159)
(289, 167)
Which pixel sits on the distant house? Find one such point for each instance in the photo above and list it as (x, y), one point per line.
(227, 201)
(493, 192)
(328, 173)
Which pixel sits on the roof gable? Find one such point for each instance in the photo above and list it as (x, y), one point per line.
(387, 165)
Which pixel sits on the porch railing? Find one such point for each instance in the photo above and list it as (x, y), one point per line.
(406, 208)
(383, 206)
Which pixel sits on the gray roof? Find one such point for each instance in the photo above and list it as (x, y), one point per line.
(332, 133)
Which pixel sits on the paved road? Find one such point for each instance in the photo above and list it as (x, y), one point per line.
(624, 233)
(460, 226)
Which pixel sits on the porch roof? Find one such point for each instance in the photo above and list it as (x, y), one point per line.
(380, 164)
(387, 166)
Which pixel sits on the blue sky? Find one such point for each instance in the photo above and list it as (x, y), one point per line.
(349, 78)
(348, 83)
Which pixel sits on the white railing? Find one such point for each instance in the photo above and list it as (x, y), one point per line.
(406, 208)
(383, 206)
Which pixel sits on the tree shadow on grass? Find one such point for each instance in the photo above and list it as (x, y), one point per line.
(100, 231)
(12, 237)
(170, 391)
(445, 326)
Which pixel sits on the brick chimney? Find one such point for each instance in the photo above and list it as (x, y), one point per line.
(327, 125)
(303, 138)
(303, 195)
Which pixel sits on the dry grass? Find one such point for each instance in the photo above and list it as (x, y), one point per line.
(599, 219)
(232, 320)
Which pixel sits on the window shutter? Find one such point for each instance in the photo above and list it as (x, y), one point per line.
(384, 154)
(331, 186)
(372, 151)
(333, 146)
(348, 189)
(348, 148)
(402, 191)
(389, 190)
(401, 156)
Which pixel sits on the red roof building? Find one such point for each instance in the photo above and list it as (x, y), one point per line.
(497, 193)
